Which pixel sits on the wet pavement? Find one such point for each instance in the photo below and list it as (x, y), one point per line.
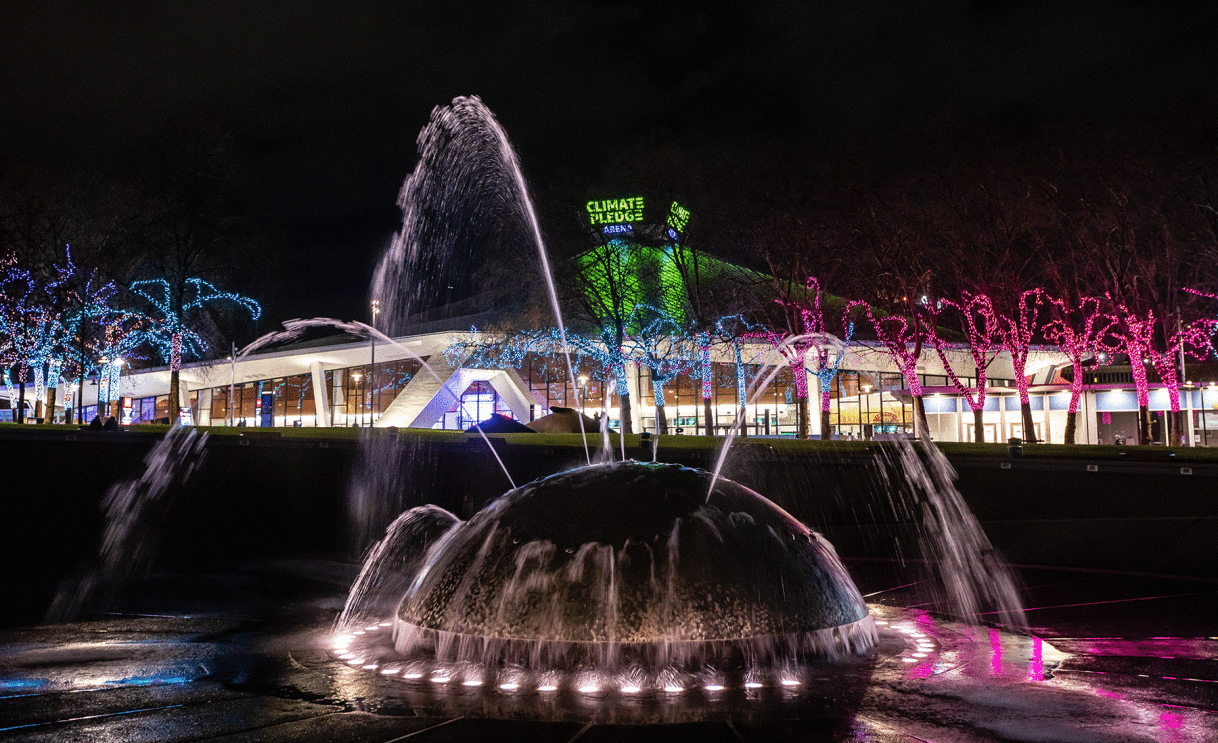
(248, 656)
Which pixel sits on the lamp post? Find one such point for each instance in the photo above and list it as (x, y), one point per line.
(373, 403)
(103, 370)
(583, 395)
(867, 420)
(232, 383)
(359, 395)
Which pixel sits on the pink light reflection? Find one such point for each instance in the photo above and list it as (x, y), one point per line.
(1173, 724)
(995, 652)
(925, 669)
(1036, 666)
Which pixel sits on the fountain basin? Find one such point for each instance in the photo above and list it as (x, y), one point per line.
(628, 563)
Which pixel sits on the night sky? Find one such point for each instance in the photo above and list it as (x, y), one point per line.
(323, 100)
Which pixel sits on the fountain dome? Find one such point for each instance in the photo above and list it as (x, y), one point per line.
(629, 562)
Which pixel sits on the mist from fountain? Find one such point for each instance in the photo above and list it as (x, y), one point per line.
(466, 190)
(130, 512)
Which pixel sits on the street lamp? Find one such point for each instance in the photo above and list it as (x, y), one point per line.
(583, 394)
(867, 396)
(359, 410)
(373, 403)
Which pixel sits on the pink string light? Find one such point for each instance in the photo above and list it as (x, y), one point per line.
(984, 344)
(1136, 333)
(812, 336)
(1016, 333)
(1078, 331)
(901, 338)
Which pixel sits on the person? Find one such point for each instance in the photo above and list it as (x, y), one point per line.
(95, 424)
(111, 424)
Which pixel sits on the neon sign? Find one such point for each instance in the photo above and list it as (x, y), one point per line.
(678, 218)
(617, 229)
(615, 211)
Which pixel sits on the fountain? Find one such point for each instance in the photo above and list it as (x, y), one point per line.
(646, 573)
(623, 592)
(629, 563)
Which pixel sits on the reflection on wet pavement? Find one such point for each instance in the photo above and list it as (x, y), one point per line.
(1110, 658)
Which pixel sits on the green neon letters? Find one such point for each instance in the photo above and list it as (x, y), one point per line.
(616, 211)
(678, 217)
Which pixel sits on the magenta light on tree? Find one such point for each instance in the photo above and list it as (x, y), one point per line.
(981, 329)
(901, 338)
(1078, 331)
(1016, 332)
(1136, 331)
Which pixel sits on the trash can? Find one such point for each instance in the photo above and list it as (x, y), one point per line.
(1015, 447)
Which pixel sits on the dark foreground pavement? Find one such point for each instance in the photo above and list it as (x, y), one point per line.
(241, 656)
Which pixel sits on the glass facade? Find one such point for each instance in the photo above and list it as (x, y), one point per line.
(862, 403)
(357, 397)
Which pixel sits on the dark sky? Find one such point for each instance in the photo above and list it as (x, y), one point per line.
(324, 100)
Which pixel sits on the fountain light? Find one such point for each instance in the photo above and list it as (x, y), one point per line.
(509, 686)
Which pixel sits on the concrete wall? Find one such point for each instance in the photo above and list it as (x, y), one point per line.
(260, 498)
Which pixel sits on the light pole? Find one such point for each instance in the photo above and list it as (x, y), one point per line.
(103, 370)
(373, 403)
(232, 383)
(359, 395)
(867, 419)
(583, 395)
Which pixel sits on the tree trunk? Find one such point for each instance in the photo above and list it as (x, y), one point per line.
(20, 417)
(661, 421)
(627, 428)
(708, 411)
(1029, 425)
(979, 426)
(805, 424)
(50, 405)
(1175, 428)
(920, 426)
(116, 408)
(1071, 423)
(825, 433)
(1143, 425)
(37, 411)
(174, 405)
